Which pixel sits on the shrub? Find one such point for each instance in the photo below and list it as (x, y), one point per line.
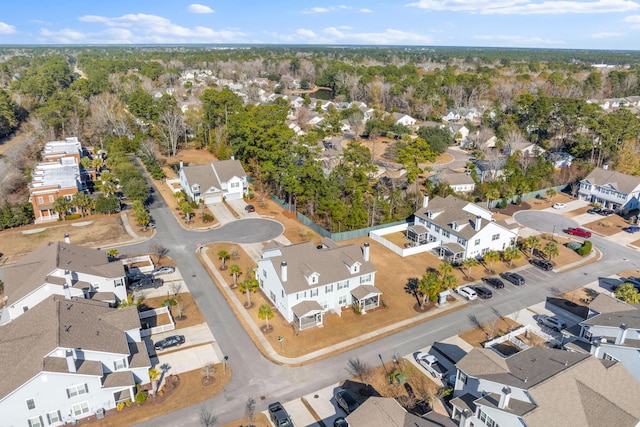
(585, 248)
(502, 204)
(518, 201)
(207, 218)
(141, 396)
(72, 216)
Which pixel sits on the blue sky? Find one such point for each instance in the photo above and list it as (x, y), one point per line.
(571, 24)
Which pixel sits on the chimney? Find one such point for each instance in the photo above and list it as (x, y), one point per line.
(283, 271)
(233, 157)
(365, 251)
(67, 284)
(425, 201)
(67, 239)
(622, 334)
(505, 396)
(181, 165)
(595, 348)
(478, 223)
(71, 361)
(465, 418)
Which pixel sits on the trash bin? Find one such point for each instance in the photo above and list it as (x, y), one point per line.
(100, 413)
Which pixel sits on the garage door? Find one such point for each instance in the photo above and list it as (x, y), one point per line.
(213, 199)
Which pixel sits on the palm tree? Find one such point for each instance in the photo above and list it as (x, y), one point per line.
(469, 263)
(490, 257)
(235, 271)
(429, 286)
(62, 206)
(551, 249)
(445, 268)
(265, 312)
(510, 254)
(550, 193)
(223, 255)
(492, 194)
(108, 188)
(247, 286)
(531, 243)
(82, 202)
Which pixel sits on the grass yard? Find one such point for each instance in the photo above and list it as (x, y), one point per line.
(606, 225)
(479, 334)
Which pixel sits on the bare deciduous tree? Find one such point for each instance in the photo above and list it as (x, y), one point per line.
(208, 370)
(360, 369)
(250, 409)
(207, 417)
(172, 127)
(158, 250)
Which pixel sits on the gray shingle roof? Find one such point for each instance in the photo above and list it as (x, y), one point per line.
(203, 176)
(604, 303)
(615, 319)
(620, 181)
(30, 272)
(387, 412)
(329, 263)
(27, 341)
(227, 169)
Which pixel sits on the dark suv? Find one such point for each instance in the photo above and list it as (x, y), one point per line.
(279, 416)
(493, 281)
(514, 278)
(147, 283)
(542, 264)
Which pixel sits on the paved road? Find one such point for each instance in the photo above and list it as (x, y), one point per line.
(255, 376)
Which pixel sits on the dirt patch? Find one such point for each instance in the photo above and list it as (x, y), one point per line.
(608, 225)
(481, 333)
(580, 296)
(259, 420)
(185, 313)
(188, 392)
(511, 209)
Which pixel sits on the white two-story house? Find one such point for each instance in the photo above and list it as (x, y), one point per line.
(67, 359)
(543, 387)
(611, 189)
(304, 281)
(58, 268)
(463, 229)
(215, 181)
(613, 332)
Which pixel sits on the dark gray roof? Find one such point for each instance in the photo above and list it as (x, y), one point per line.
(30, 272)
(604, 303)
(515, 407)
(620, 181)
(387, 412)
(615, 319)
(331, 264)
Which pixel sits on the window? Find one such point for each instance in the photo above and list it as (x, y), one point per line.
(342, 300)
(445, 233)
(607, 356)
(35, 422)
(343, 285)
(50, 198)
(314, 292)
(31, 404)
(77, 390)
(495, 237)
(119, 364)
(80, 408)
(365, 279)
(272, 296)
(40, 200)
(313, 278)
(462, 242)
(324, 304)
(282, 293)
(54, 417)
(328, 289)
(486, 419)
(586, 334)
(477, 242)
(235, 185)
(462, 377)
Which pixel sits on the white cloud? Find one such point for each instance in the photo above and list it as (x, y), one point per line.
(389, 36)
(634, 20)
(144, 28)
(315, 10)
(528, 7)
(199, 8)
(7, 29)
(519, 40)
(365, 10)
(605, 35)
(66, 35)
(304, 33)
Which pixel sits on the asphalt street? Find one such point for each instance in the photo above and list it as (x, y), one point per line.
(254, 376)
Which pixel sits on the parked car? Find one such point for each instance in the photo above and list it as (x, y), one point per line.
(340, 422)
(137, 277)
(551, 322)
(346, 401)
(147, 283)
(279, 416)
(631, 229)
(514, 278)
(578, 232)
(250, 208)
(431, 364)
(167, 269)
(493, 281)
(594, 210)
(168, 342)
(559, 206)
(467, 292)
(483, 293)
(542, 264)
(606, 212)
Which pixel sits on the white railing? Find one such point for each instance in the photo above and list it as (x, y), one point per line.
(376, 235)
(506, 337)
(157, 329)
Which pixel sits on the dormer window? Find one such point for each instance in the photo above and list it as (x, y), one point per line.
(195, 188)
(313, 278)
(429, 214)
(355, 268)
(454, 225)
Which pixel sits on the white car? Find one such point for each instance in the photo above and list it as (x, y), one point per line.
(468, 293)
(559, 206)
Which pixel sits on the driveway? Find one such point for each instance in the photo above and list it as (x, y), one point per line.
(221, 213)
(546, 222)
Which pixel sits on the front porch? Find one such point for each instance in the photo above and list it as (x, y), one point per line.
(366, 297)
(453, 253)
(307, 314)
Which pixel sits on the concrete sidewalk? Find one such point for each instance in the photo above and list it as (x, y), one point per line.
(268, 349)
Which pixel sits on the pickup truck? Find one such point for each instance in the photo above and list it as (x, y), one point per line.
(431, 364)
(578, 232)
(279, 416)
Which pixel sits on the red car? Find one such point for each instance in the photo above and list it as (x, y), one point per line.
(578, 232)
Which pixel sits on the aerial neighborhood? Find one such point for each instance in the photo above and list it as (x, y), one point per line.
(289, 236)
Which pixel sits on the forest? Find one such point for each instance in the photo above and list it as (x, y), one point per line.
(163, 99)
